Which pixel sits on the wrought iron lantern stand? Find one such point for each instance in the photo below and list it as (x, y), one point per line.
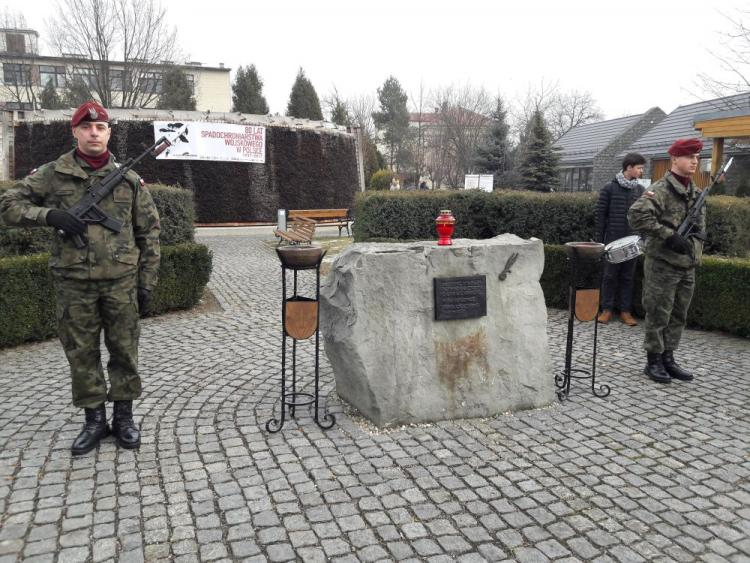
(585, 275)
(300, 318)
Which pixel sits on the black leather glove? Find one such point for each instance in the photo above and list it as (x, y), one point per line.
(63, 220)
(144, 296)
(678, 243)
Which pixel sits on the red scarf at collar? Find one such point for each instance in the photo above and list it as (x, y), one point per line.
(684, 180)
(96, 162)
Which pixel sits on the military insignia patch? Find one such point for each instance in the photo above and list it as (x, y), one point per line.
(33, 171)
(143, 183)
(93, 114)
(649, 194)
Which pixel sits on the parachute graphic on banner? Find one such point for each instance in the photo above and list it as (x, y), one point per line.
(214, 141)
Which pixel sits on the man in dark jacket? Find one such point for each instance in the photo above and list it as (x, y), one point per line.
(611, 224)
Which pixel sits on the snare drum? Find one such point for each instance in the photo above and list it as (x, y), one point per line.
(623, 249)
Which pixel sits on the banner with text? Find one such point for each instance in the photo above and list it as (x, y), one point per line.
(213, 141)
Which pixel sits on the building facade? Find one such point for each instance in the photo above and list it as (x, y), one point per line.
(590, 154)
(680, 124)
(25, 73)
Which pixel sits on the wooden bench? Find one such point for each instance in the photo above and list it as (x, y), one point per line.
(324, 217)
(299, 231)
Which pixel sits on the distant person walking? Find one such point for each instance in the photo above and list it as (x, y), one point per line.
(611, 224)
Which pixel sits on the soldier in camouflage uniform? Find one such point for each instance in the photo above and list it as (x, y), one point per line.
(102, 286)
(669, 268)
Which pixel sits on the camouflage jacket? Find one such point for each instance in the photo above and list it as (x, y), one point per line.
(659, 212)
(108, 255)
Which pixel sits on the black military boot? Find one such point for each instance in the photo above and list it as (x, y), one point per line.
(124, 429)
(94, 429)
(667, 358)
(655, 369)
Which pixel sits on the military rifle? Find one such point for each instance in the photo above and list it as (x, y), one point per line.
(87, 208)
(690, 223)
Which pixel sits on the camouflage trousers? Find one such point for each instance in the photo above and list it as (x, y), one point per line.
(84, 309)
(667, 292)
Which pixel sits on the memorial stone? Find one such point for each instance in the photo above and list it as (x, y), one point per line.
(397, 362)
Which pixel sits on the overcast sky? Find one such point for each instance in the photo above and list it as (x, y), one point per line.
(629, 55)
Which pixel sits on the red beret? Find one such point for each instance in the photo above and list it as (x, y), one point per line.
(685, 147)
(89, 111)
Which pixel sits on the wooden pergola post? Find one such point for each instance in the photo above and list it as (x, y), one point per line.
(734, 124)
(717, 156)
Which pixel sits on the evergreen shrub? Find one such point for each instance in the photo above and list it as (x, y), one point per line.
(721, 289)
(555, 218)
(381, 180)
(27, 296)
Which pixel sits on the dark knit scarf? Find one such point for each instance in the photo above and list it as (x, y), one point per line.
(96, 162)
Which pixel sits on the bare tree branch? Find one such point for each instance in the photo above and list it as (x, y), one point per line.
(118, 47)
(733, 73)
(570, 110)
(463, 114)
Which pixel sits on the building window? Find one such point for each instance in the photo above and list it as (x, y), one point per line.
(85, 75)
(17, 74)
(191, 82)
(55, 74)
(115, 80)
(576, 179)
(17, 106)
(151, 82)
(15, 43)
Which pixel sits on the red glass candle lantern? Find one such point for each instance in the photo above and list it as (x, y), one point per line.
(445, 223)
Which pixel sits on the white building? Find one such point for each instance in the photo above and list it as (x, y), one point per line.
(25, 73)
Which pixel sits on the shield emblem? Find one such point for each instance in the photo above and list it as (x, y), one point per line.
(300, 317)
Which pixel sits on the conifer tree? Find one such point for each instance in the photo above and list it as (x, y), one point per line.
(176, 91)
(393, 117)
(538, 168)
(493, 154)
(76, 92)
(49, 98)
(303, 100)
(340, 114)
(247, 92)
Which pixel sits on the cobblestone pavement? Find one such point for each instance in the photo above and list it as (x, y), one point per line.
(650, 473)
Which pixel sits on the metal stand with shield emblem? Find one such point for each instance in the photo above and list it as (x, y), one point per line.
(585, 267)
(299, 319)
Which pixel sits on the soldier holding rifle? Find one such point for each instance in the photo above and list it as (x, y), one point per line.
(672, 254)
(105, 264)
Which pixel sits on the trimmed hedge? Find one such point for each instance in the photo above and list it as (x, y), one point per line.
(176, 210)
(28, 303)
(303, 168)
(722, 285)
(555, 218)
(27, 300)
(721, 289)
(183, 274)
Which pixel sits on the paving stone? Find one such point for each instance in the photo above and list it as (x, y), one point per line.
(575, 481)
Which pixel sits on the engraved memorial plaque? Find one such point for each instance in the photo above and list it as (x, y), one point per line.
(460, 298)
